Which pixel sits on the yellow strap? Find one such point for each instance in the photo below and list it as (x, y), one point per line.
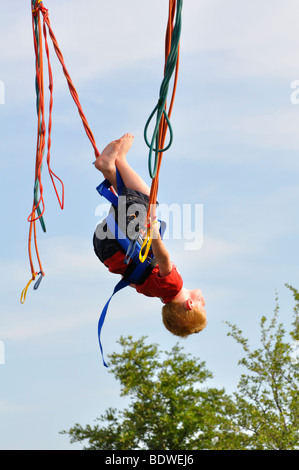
(24, 292)
(35, 10)
(145, 246)
(147, 243)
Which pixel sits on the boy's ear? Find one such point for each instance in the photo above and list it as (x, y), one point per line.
(189, 304)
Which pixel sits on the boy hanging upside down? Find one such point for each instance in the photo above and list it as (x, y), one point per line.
(183, 311)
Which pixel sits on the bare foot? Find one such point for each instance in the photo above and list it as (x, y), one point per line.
(126, 142)
(106, 161)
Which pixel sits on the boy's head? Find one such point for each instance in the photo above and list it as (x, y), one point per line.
(183, 321)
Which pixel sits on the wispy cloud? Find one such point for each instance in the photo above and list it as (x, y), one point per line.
(12, 408)
(258, 38)
(274, 130)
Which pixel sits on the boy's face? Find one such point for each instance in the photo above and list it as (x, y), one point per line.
(197, 298)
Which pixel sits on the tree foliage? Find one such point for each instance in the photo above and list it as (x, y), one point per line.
(267, 399)
(172, 408)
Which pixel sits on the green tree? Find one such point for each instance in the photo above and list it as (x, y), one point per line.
(168, 410)
(267, 399)
(171, 409)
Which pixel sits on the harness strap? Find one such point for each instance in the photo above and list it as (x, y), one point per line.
(136, 272)
(103, 190)
(121, 285)
(121, 238)
(119, 181)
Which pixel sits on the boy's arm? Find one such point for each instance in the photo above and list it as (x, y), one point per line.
(160, 253)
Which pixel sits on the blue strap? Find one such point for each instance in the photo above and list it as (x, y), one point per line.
(134, 277)
(132, 248)
(120, 183)
(122, 283)
(104, 189)
(122, 239)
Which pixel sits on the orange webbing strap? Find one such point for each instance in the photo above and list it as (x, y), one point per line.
(163, 124)
(38, 207)
(72, 89)
(163, 127)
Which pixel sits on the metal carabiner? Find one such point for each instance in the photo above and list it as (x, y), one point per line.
(37, 284)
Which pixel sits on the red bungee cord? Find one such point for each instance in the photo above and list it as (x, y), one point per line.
(38, 208)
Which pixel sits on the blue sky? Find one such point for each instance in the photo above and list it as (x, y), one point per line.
(235, 151)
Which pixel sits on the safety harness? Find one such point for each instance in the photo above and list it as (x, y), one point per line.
(137, 272)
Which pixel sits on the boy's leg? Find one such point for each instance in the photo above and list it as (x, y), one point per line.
(130, 178)
(106, 162)
(114, 155)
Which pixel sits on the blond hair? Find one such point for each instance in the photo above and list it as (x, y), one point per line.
(182, 322)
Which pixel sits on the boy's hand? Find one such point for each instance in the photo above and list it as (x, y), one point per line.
(151, 223)
(159, 250)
